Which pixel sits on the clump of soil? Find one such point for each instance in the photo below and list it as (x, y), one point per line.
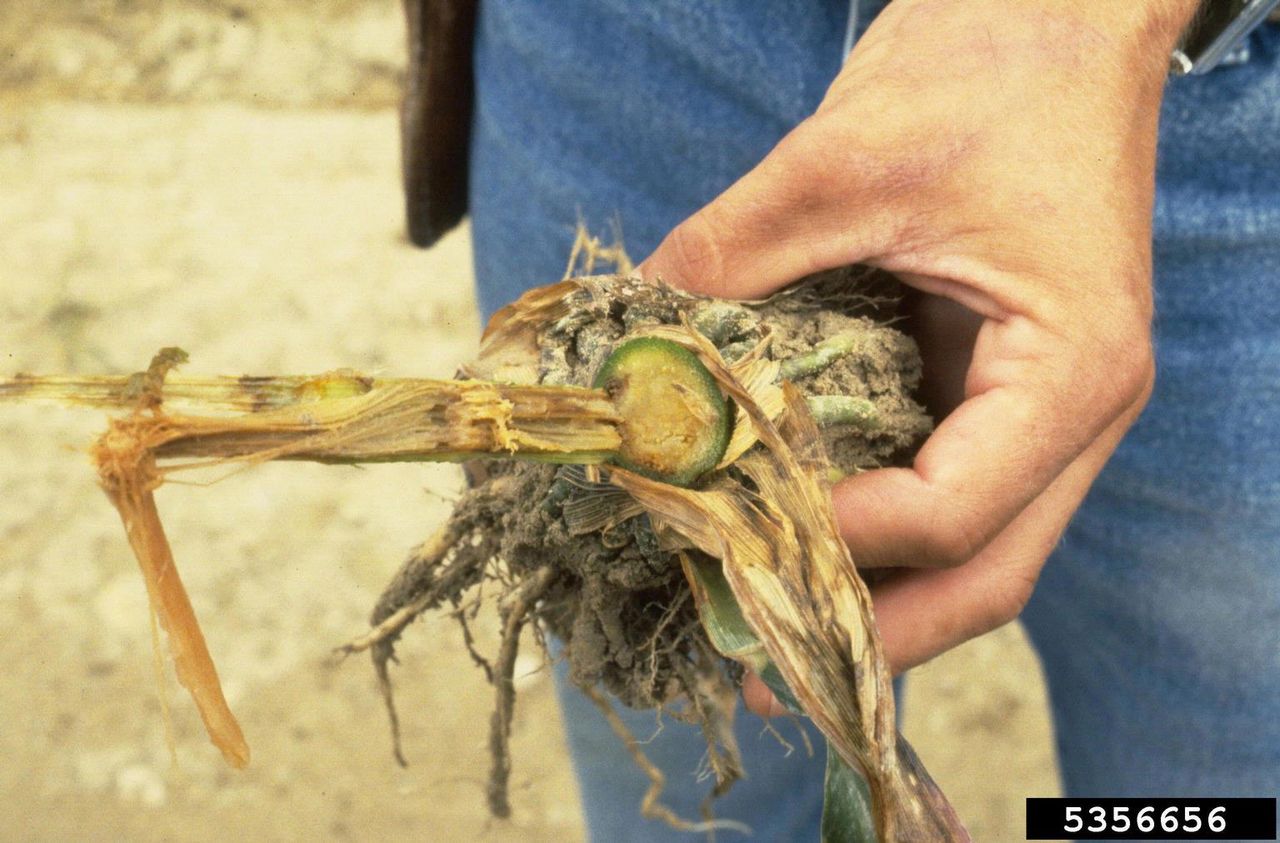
(579, 559)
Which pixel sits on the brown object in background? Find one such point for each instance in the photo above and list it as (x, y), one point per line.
(435, 115)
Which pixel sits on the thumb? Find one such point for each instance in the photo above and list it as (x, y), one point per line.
(785, 219)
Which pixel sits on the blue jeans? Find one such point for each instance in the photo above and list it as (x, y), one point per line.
(1158, 619)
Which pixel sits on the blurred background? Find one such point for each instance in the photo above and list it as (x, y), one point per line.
(224, 177)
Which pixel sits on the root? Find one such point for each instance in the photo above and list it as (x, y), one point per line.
(656, 651)
(428, 578)
(389, 628)
(787, 747)
(460, 615)
(714, 702)
(772, 731)
(854, 290)
(380, 640)
(431, 555)
(514, 616)
(382, 655)
(650, 807)
(587, 249)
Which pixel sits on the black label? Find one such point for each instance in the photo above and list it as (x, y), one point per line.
(1151, 819)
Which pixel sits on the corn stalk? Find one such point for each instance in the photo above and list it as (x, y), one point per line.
(775, 585)
(343, 418)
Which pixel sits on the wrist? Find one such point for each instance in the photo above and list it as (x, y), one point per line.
(1150, 27)
(1123, 39)
(1158, 23)
(1153, 24)
(1142, 33)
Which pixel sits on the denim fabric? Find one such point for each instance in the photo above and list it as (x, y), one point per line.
(633, 111)
(1159, 618)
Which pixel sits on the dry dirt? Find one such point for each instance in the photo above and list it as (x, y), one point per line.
(224, 178)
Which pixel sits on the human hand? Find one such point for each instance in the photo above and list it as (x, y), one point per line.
(999, 158)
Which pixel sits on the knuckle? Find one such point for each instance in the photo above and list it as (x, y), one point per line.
(1132, 374)
(1119, 356)
(1006, 601)
(1130, 337)
(1143, 378)
(951, 542)
(694, 256)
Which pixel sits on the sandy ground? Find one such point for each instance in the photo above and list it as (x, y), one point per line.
(160, 185)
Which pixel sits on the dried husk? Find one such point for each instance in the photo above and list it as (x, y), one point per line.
(799, 590)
